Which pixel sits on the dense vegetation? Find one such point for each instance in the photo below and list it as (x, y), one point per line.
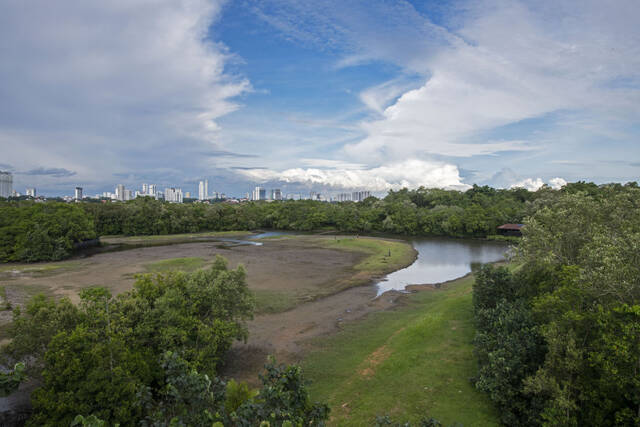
(41, 231)
(476, 212)
(149, 356)
(31, 231)
(559, 339)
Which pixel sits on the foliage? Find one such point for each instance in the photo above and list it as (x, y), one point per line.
(10, 381)
(559, 341)
(476, 212)
(41, 231)
(96, 358)
(282, 400)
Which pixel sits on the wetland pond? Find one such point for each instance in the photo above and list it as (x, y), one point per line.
(442, 259)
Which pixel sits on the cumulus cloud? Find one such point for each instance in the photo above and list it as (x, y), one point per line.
(507, 178)
(532, 184)
(409, 173)
(113, 86)
(557, 183)
(529, 183)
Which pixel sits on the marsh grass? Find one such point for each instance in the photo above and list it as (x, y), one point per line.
(188, 264)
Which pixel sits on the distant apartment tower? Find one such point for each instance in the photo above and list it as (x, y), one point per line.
(203, 190)
(120, 192)
(145, 189)
(276, 194)
(173, 195)
(31, 192)
(343, 197)
(152, 190)
(78, 193)
(259, 193)
(6, 184)
(358, 196)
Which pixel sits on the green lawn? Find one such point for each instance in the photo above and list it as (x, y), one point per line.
(175, 264)
(408, 363)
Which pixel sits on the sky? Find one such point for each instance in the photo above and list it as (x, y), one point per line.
(328, 96)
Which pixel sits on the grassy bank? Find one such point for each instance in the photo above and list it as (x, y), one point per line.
(168, 238)
(408, 363)
(382, 256)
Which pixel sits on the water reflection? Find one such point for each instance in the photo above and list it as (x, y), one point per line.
(440, 260)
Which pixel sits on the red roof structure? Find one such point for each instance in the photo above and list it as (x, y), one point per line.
(510, 229)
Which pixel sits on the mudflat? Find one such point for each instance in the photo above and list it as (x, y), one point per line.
(305, 286)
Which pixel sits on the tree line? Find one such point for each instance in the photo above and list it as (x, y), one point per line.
(558, 337)
(31, 231)
(150, 357)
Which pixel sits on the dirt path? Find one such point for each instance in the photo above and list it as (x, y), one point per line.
(288, 335)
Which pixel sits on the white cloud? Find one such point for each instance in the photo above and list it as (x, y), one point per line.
(408, 173)
(532, 184)
(490, 65)
(557, 183)
(510, 62)
(112, 86)
(529, 183)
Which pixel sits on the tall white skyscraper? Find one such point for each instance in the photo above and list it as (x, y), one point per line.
(203, 190)
(145, 189)
(259, 193)
(120, 192)
(31, 192)
(153, 190)
(78, 193)
(6, 184)
(173, 195)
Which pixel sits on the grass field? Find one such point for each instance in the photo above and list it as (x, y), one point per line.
(408, 363)
(175, 264)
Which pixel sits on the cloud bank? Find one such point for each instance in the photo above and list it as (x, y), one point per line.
(112, 87)
(393, 176)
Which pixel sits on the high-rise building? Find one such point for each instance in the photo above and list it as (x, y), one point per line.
(173, 195)
(128, 195)
(358, 196)
(259, 193)
(145, 189)
(203, 190)
(120, 192)
(78, 193)
(31, 192)
(153, 190)
(276, 194)
(6, 184)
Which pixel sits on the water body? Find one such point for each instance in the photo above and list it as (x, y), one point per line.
(442, 259)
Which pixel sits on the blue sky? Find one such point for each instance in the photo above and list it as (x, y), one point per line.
(330, 96)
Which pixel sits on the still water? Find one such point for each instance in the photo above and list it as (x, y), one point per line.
(441, 259)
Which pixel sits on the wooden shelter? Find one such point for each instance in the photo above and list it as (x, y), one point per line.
(510, 229)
